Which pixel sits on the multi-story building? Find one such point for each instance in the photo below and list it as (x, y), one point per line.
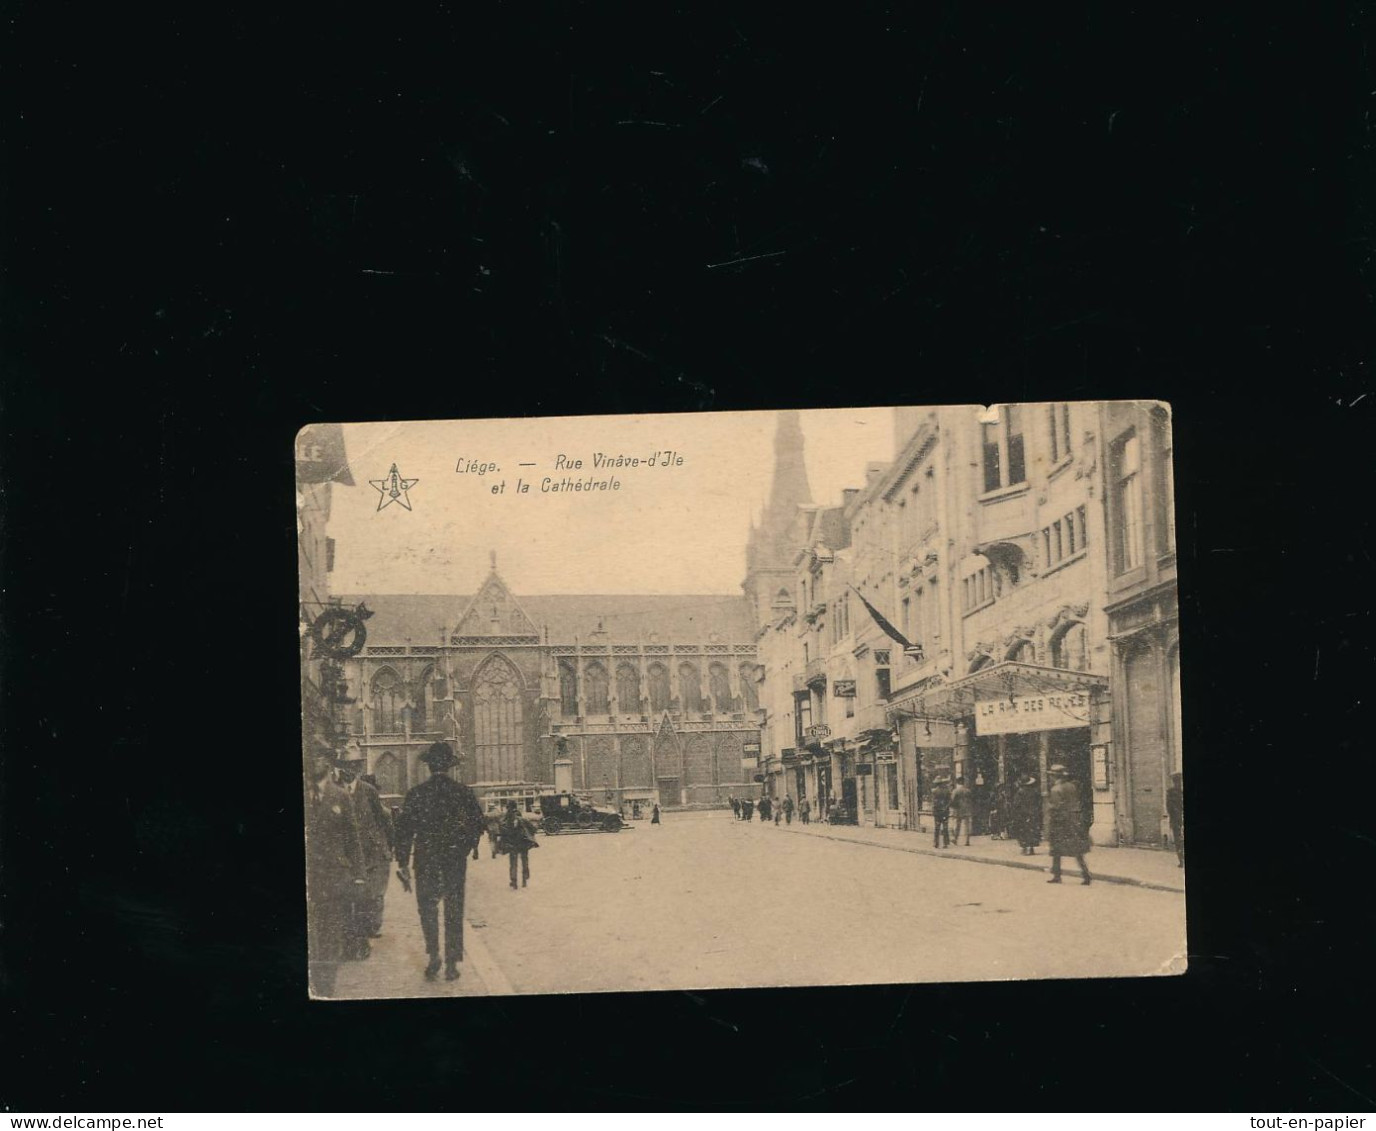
(823, 726)
(321, 463)
(1026, 554)
(1005, 571)
(771, 591)
(1143, 611)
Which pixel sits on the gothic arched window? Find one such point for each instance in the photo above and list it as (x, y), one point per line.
(425, 701)
(659, 687)
(568, 689)
(1070, 649)
(720, 683)
(498, 722)
(627, 689)
(748, 690)
(388, 700)
(689, 687)
(595, 689)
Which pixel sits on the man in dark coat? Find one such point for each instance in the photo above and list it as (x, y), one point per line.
(787, 806)
(334, 872)
(375, 845)
(962, 805)
(444, 822)
(941, 814)
(516, 838)
(747, 808)
(1067, 831)
(1025, 819)
(1000, 811)
(764, 807)
(1175, 813)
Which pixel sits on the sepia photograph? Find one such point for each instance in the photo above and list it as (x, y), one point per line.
(731, 700)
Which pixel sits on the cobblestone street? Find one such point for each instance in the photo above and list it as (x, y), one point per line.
(705, 901)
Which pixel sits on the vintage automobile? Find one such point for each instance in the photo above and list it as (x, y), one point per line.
(567, 812)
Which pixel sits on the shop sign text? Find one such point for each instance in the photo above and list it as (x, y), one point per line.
(1020, 714)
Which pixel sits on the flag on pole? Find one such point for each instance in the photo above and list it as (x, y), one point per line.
(909, 648)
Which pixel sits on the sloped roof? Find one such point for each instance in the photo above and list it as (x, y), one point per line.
(831, 529)
(626, 617)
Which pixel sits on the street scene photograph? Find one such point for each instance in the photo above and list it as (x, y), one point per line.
(741, 699)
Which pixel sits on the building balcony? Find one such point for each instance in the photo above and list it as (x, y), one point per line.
(816, 671)
(1004, 515)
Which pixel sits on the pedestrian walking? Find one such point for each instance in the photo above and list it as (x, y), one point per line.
(334, 872)
(998, 812)
(778, 811)
(654, 814)
(1175, 813)
(492, 825)
(962, 807)
(442, 821)
(516, 838)
(805, 810)
(736, 808)
(941, 814)
(764, 807)
(1025, 819)
(375, 843)
(747, 808)
(788, 810)
(1068, 831)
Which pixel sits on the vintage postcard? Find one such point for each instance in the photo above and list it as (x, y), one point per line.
(727, 700)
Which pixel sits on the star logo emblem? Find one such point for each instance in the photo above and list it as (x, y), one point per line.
(393, 489)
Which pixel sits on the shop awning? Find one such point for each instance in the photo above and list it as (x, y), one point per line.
(956, 700)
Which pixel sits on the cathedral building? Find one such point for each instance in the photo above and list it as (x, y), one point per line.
(630, 700)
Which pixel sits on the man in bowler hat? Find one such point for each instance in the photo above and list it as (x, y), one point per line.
(941, 813)
(444, 822)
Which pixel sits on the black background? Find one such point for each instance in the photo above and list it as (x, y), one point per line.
(221, 224)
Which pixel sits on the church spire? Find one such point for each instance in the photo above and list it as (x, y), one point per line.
(768, 551)
(790, 487)
(767, 545)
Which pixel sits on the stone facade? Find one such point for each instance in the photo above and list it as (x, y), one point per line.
(1008, 548)
(652, 697)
